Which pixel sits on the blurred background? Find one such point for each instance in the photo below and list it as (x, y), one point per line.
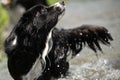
(86, 66)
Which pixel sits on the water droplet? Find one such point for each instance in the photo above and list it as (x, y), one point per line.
(105, 39)
(48, 68)
(105, 61)
(108, 32)
(58, 65)
(110, 47)
(67, 44)
(81, 34)
(86, 35)
(78, 54)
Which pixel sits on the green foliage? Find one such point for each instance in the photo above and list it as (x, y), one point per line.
(2, 55)
(50, 2)
(3, 22)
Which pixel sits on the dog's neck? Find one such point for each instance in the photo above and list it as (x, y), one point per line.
(36, 69)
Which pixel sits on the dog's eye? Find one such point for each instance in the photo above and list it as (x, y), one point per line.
(44, 11)
(58, 8)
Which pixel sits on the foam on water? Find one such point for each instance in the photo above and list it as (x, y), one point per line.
(98, 70)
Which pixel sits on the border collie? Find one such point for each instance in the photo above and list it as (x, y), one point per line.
(36, 50)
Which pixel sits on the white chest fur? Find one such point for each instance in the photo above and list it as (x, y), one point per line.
(36, 69)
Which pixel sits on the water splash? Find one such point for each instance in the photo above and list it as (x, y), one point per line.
(98, 70)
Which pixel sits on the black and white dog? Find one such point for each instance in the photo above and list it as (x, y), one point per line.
(37, 50)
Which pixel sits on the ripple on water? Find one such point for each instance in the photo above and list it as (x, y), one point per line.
(101, 69)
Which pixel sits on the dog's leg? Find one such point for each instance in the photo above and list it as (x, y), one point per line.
(70, 42)
(60, 68)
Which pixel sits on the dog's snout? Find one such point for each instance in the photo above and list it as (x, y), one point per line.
(60, 6)
(62, 3)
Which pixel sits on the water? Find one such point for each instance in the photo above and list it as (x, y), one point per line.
(86, 66)
(101, 69)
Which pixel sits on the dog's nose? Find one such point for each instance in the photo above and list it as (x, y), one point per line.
(62, 3)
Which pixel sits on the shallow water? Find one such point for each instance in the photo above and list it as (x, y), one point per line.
(98, 69)
(87, 66)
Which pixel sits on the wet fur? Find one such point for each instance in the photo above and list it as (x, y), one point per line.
(31, 39)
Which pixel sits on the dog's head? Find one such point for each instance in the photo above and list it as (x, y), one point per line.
(44, 16)
(34, 32)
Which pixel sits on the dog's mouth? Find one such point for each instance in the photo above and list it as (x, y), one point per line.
(60, 9)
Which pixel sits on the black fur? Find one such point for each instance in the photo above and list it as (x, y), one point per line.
(29, 3)
(32, 31)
